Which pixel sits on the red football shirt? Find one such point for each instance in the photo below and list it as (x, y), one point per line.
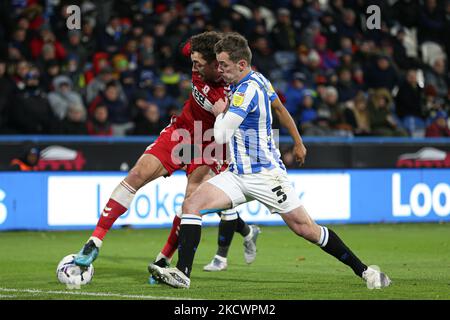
(200, 102)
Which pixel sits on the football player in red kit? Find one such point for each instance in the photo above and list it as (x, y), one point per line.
(173, 151)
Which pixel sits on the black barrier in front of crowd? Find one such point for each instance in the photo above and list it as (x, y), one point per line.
(62, 153)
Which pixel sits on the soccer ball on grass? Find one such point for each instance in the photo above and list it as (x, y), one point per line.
(71, 275)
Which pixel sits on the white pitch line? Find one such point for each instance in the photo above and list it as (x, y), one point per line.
(96, 294)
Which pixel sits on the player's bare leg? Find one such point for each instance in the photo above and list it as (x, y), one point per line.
(147, 168)
(303, 225)
(207, 196)
(163, 259)
(230, 223)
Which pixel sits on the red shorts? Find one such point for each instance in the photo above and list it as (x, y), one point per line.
(176, 152)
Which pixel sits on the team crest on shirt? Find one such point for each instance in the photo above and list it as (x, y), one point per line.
(238, 98)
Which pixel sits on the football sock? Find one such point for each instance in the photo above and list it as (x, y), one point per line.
(172, 241)
(98, 243)
(226, 233)
(242, 227)
(249, 236)
(188, 240)
(332, 244)
(118, 204)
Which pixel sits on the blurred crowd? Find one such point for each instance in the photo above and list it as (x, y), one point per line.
(123, 73)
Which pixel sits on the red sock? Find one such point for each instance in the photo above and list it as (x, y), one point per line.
(112, 211)
(118, 204)
(172, 242)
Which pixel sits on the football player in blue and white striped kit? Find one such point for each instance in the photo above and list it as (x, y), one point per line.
(256, 171)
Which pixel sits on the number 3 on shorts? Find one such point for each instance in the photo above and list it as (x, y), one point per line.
(279, 193)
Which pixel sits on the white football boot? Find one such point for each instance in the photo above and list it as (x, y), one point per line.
(250, 244)
(218, 263)
(375, 279)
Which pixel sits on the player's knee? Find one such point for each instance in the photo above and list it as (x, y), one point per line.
(190, 206)
(137, 177)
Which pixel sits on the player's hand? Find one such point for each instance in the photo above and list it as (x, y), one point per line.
(220, 106)
(300, 153)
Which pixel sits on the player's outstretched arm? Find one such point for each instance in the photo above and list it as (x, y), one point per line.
(289, 123)
(226, 122)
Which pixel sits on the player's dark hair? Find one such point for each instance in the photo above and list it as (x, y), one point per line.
(204, 44)
(236, 46)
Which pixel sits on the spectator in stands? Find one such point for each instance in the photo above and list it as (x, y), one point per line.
(284, 35)
(356, 114)
(347, 26)
(6, 92)
(131, 53)
(88, 40)
(312, 68)
(328, 59)
(98, 84)
(309, 33)
(436, 77)
(431, 22)
(140, 41)
(51, 70)
(382, 120)
(447, 29)
(307, 113)
(262, 56)
(295, 92)
(329, 30)
(400, 56)
(382, 74)
(321, 126)
(161, 98)
(75, 121)
(346, 59)
(358, 78)
(28, 160)
(21, 69)
(73, 70)
(409, 98)
(99, 125)
(63, 96)
(170, 78)
(148, 121)
(118, 108)
(406, 12)
(18, 46)
(330, 105)
(128, 83)
(74, 47)
(347, 89)
(119, 64)
(439, 126)
(31, 112)
(185, 89)
(432, 102)
(221, 11)
(112, 38)
(46, 44)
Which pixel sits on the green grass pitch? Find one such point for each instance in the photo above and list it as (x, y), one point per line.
(415, 256)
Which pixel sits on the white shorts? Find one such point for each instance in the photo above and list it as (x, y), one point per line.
(270, 187)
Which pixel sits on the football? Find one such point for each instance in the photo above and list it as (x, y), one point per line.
(70, 274)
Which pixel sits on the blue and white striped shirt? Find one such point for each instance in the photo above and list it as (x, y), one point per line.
(252, 146)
